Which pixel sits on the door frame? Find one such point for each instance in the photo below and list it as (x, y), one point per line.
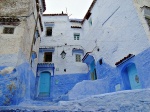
(38, 92)
(125, 76)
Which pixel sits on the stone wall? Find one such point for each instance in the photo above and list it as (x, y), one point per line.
(16, 7)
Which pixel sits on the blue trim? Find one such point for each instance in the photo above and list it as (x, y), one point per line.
(34, 55)
(45, 67)
(88, 60)
(49, 24)
(77, 51)
(47, 49)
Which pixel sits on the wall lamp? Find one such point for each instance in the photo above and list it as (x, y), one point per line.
(63, 54)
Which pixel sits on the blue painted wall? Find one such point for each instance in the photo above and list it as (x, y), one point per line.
(17, 86)
(62, 84)
(110, 79)
(114, 74)
(20, 84)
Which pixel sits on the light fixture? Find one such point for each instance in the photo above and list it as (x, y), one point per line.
(63, 54)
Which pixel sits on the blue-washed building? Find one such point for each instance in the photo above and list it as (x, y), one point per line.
(117, 47)
(110, 47)
(20, 30)
(60, 65)
(52, 57)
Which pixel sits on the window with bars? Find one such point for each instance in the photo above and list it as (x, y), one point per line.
(148, 22)
(8, 30)
(76, 36)
(78, 58)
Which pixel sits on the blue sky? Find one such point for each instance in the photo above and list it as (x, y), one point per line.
(75, 8)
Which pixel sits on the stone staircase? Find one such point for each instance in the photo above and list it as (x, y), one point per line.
(123, 101)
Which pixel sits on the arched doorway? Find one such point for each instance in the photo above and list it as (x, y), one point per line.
(130, 77)
(44, 84)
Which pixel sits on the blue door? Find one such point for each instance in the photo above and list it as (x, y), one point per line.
(93, 71)
(133, 77)
(44, 86)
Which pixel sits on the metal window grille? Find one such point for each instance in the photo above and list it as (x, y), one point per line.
(76, 36)
(78, 58)
(8, 30)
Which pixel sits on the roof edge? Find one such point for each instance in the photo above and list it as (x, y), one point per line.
(89, 10)
(55, 14)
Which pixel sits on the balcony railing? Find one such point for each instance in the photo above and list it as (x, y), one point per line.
(46, 65)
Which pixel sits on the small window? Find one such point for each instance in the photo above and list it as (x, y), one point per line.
(76, 36)
(48, 57)
(78, 58)
(49, 31)
(8, 30)
(90, 21)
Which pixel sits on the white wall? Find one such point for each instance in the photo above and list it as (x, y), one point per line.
(116, 30)
(63, 34)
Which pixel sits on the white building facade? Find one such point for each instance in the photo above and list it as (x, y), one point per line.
(109, 41)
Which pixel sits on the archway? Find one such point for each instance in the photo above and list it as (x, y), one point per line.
(130, 77)
(44, 84)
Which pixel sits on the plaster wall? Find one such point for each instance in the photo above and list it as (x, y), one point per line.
(16, 7)
(139, 5)
(114, 32)
(17, 78)
(21, 40)
(10, 45)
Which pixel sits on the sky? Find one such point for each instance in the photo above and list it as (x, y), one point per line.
(74, 8)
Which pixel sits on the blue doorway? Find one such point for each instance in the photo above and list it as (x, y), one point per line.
(44, 84)
(130, 77)
(133, 77)
(93, 71)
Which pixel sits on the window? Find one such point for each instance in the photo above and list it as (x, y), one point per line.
(49, 31)
(90, 21)
(148, 22)
(76, 36)
(78, 58)
(8, 30)
(48, 57)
